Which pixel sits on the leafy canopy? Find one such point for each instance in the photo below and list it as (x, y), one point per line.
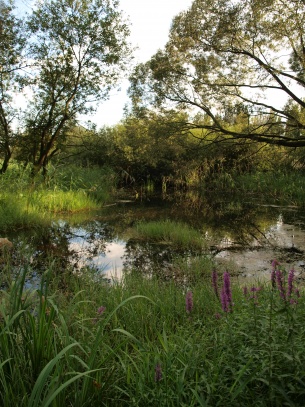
(79, 50)
(226, 58)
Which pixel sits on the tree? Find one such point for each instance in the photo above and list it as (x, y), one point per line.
(79, 49)
(238, 55)
(11, 45)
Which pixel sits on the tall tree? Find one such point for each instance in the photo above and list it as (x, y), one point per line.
(79, 49)
(11, 46)
(241, 55)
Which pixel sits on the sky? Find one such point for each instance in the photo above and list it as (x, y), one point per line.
(150, 23)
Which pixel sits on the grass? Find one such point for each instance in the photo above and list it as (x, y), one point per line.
(139, 343)
(177, 234)
(26, 203)
(286, 187)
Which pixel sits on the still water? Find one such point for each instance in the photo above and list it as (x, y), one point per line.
(244, 236)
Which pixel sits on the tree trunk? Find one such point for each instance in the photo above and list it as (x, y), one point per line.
(5, 162)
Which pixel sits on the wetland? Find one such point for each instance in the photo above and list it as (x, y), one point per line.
(243, 237)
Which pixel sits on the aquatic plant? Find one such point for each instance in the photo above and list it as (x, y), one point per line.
(177, 234)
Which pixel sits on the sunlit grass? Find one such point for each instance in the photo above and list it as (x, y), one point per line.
(178, 234)
(25, 202)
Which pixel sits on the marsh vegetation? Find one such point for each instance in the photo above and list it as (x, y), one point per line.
(199, 166)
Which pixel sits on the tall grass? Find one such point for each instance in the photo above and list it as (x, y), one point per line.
(176, 233)
(25, 202)
(144, 342)
(286, 187)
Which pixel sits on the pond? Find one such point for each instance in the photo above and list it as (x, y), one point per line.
(241, 236)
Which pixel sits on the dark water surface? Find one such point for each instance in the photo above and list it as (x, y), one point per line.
(244, 236)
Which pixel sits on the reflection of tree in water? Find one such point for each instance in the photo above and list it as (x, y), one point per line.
(90, 240)
(151, 259)
(242, 223)
(145, 257)
(54, 243)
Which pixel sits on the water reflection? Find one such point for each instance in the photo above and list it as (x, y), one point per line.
(108, 261)
(248, 235)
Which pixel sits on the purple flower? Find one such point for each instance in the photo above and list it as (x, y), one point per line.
(158, 373)
(273, 278)
(215, 283)
(274, 264)
(254, 290)
(245, 290)
(224, 300)
(227, 286)
(280, 284)
(101, 310)
(189, 301)
(226, 293)
(217, 315)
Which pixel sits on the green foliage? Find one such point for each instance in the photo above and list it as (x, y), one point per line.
(157, 149)
(286, 187)
(77, 51)
(225, 59)
(12, 42)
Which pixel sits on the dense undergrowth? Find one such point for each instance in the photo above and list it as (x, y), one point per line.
(207, 341)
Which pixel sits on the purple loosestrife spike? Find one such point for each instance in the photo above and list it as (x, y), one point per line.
(215, 282)
(189, 301)
(254, 290)
(290, 283)
(226, 293)
(280, 284)
(273, 278)
(224, 300)
(158, 373)
(227, 287)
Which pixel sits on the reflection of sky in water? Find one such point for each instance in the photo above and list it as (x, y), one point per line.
(110, 262)
(97, 245)
(105, 256)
